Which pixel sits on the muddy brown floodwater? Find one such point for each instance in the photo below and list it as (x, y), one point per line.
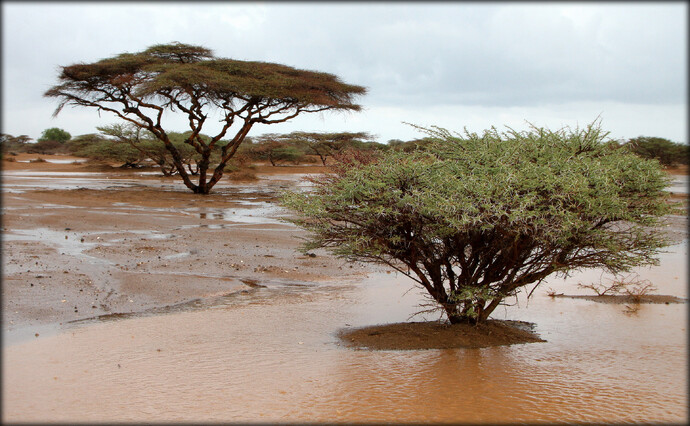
(268, 350)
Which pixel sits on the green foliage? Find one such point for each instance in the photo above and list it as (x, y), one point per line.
(108, 151)
(55, 134)
(293, 147)
(46, 146)
(288, 154)
(275, 148)
(131, 138)
(79, 145)
(52, 141)
(409, 146)
(106, 147)
(475, 218)
(668, 153)
(325, 145)
(140, 87)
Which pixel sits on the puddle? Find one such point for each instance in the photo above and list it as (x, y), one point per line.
(670, 277)
(149, 173)
(297, 179)
(679, 184)
(271, 354)
(22, 184)
(179, 255)
(65, 242)
(39, 173)
(18, 181)
(145, 234)
(256, 213)
(56, 161)
(26, 333)
(42, 206)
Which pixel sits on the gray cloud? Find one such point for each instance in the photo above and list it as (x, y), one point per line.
(413, 57)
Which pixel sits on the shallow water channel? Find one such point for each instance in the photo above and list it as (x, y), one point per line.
(272, 355)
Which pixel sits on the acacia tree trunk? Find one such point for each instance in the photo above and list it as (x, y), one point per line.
(481, 311)
(455, 318)
(456, 315)
(179, 165)
(202, 168)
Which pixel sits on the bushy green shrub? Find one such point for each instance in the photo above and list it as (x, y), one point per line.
(475, 218)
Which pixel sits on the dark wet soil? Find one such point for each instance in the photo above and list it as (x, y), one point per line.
(436, 335)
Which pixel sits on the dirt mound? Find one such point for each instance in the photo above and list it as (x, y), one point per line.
(435, 335)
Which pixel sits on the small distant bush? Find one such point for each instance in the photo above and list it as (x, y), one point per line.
(231, 167)
(310, 159)
(47, 147)
(639, 289)
(37, 160)
(242, 175)
(631, 286)
(239, 163)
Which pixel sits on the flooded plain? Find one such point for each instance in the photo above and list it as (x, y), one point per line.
(270, 352)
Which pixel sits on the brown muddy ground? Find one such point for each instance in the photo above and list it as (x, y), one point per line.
(80, 253)
(138, 244)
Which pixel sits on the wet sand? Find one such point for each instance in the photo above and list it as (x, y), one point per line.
(177, 307)
(121, 242)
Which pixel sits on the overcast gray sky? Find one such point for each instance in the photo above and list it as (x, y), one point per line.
(451, 64)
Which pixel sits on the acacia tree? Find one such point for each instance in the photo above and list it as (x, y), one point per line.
(476, 218)
(9, 143)
(105, 150)
(135, 140)
(141, 87)
(275, 148)
(130, 137)
(326, 144)
(14, 142)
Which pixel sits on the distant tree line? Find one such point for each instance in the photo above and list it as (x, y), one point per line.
(51, 141)
(131, 146)
(668, 153)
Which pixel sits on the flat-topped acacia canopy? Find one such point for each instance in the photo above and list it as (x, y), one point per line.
(140, 87)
